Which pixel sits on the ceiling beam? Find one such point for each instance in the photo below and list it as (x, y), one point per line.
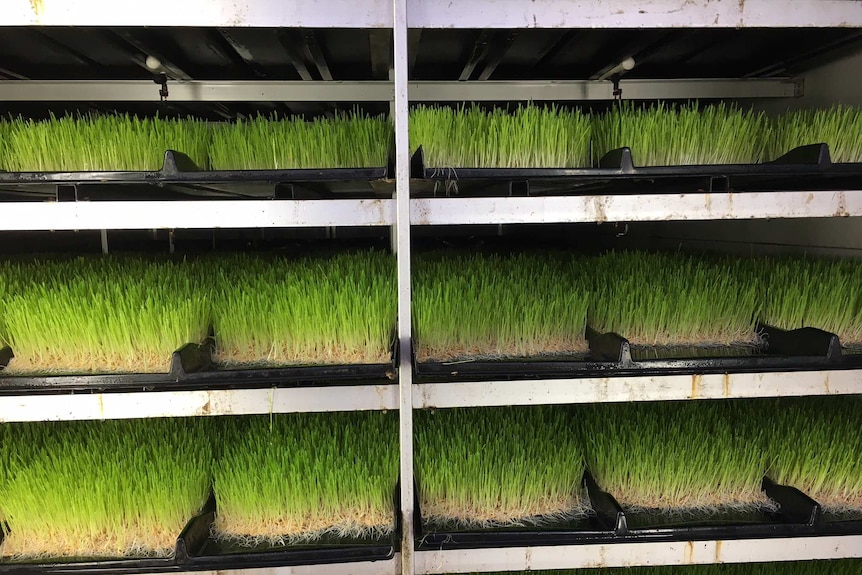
(315, 53)
(289, 43)
(501, 44)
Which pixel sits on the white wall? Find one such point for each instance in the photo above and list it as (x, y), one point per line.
(839, 81)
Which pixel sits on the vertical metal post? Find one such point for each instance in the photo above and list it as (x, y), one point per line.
(104, 236)
(402, 223)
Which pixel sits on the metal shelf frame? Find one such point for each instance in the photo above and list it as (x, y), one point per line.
(402, 213)
(439, 14)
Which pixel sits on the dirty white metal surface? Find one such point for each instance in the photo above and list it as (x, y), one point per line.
(225, 13)
(380, 91)
(365, 568)
(628, 14)
(636, 208)
(134, 405)
(633, 388)
(400, 113)
(629, 554)
(146, 215)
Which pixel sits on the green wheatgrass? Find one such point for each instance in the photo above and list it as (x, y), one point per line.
(95, 143)
(814, 445)
(338, 309)
(104, 489)
(530, 136)
(839, 126)
(821, 293)
(667, 135)
(660, 299)
(292, 478)
(492, 306)
(676, 457)
(349, 140)
(103, 315)
(498, 466)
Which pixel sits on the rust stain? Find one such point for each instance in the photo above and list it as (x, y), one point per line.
(599, 206)
(528, 559)
(688, 553)
(809, 198)
(826, 384)
(718, 551)
(726, 385)
(602, 559)
(101, 406)
(841, 212)
(729, 204)
(38, 7)
(696, 380)
(205, 410)
(708, 204)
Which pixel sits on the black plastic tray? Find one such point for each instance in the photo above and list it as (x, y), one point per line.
(601, 525)
(189, 358)
(180, 169)
(610, 354)
(191, 537)
(798, 515)
(192, 368)
(213, 555)
(796, 169)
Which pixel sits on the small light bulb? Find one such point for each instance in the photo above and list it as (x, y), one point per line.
(628, 63)
(153, 63)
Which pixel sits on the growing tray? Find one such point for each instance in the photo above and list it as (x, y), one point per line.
(797, 515)
(189, 358)
(799, 168)
(191, 537)
(210, 554)
(180, 169)
(192, 368)
(600, 526)
(611, 354)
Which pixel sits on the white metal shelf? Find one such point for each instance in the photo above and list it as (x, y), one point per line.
(145, 215)
(233, 13)
(437, 13)
(637, 388)
(627, 14)
(145, 404)
(631, 554)
(636, 207)
(358, 568)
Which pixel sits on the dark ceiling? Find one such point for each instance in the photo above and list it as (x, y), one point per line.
(353, 54)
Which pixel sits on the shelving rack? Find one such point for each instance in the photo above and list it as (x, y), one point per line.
(406, 19)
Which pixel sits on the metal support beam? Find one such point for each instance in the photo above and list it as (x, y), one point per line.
(477, 54)
(402, 227)
(496, 53)
(629, 554)
(241, 50)
(382, 91)
(315, 53)
(483, 14)
(194, 214)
